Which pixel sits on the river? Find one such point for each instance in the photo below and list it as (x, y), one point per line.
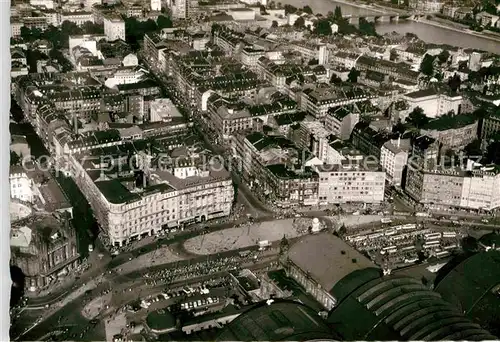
(426, 32)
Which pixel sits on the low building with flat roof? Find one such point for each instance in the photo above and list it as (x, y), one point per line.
(278, 320)
(317, 262)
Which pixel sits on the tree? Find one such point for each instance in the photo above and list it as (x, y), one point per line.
(353, 75)
(164, 22)
(299, 23)
(14, 158)
(337, 15)
(493, 150)
(473, 149)
(399, 127)
(274, 24)
(366, 28)
(92, 28)
(313, 61)
(454, 82)
(289, 9)
(427, 65)
(417, 118)
(443, 56)
(323, 28)
(335, 79)
(263, 10)
(307, 10)
(25, 33)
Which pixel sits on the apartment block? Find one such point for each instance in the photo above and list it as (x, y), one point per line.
(360, 181)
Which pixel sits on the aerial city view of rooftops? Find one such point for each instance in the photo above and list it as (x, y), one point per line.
(254, 170)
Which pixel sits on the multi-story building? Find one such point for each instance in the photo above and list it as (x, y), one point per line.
(313, 136)
(486, 19)
(162, 110)
(165, 198)
(427, 6)
(155, 5)
(228, 40)
(250, 57)
(453, 132)
(43, 247)
(114, 28)
(434, 103)
(341, 121)
(393, 159)
(351, 181)
(490, 126)
(369, 140)
(21, 185)
(311, 51)
(228, 116)
(180, 9)
(396, 70)
(344, 59)
(442, 188)
(275, 169)
(318, 101)
(49, 4)
(77, 17)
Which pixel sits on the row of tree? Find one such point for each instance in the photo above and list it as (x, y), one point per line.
(59, 36)
(323, 26)
(135, 29)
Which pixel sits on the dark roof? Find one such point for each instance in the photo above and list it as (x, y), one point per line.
(283, 320)
(470, 286)
(422, 93)
(397, 308)
(115, 192)
(446, 122)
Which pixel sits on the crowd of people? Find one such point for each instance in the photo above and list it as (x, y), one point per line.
(170, 275)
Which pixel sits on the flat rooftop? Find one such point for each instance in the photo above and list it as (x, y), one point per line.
(327, 258)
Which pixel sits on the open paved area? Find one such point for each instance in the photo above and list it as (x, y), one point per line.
(95, 306)
(162, 255)
(246, 236)
(354, 220)
(115, 325)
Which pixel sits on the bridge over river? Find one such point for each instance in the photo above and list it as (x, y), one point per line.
(382, 16)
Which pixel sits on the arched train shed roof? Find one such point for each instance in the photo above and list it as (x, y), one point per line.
(396, 308)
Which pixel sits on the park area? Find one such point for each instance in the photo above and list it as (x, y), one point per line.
(247, 235)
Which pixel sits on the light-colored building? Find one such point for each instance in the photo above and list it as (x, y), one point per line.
(481, 189)
(155, 5)
(486, 19)
(318, 101)
(180, 9)
(21, 185)
(455, 188)
(313, 136)
(340, 122)
(433, 103)
(163, 110)
(393, 159)
(77, 17)
(351, 181)
(48, 4)
(114, 28)
(126, 211)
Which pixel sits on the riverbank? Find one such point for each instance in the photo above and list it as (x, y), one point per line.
(460, 30)
(324, 6)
